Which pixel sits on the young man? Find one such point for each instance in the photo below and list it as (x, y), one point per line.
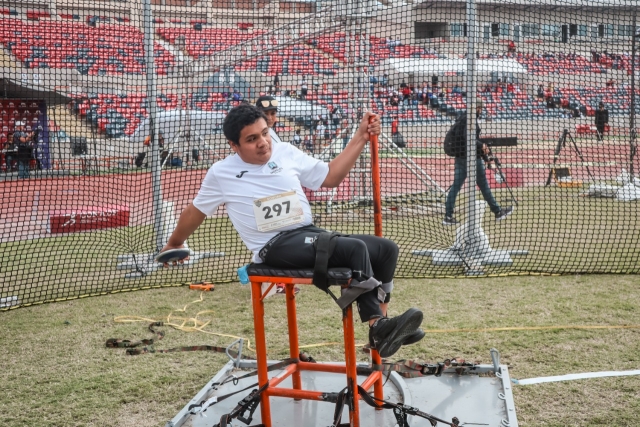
(269, 106)
(261, 186)
(460, 172)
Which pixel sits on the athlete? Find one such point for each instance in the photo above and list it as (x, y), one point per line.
(261, 186)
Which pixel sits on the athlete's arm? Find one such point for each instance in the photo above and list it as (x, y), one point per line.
(340, 166)
(189, 221)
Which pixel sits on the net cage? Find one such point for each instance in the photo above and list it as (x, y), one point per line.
(111, 114)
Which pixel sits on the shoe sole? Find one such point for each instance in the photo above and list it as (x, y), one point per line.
(408, 323)
(449, 223)
(414, 337)
(503, 217)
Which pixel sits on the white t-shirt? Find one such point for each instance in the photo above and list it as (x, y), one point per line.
(237, 184)
(274, 136)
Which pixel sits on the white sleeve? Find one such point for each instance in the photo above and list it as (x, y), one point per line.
(313, 171)
(210, 195)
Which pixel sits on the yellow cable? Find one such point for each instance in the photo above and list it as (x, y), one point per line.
(186, 324)
(198, 326)
(530, 328)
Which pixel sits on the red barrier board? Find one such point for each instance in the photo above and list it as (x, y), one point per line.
(513, 178)
(88, 218)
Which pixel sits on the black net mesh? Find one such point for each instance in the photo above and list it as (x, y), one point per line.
(111, 115)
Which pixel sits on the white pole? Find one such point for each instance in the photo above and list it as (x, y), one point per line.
(471, 118)
(147, 21)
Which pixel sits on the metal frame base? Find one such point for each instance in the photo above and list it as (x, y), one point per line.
(482, 396)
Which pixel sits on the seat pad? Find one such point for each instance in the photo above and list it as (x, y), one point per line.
(337, 276)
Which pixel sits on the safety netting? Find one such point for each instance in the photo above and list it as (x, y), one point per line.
(111, 114)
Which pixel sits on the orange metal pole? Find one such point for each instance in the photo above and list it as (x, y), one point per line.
(292, 321)
(350, 361)
(375, 174)
(377, 386)
(296, 394)
(286, 372)
(261, 349)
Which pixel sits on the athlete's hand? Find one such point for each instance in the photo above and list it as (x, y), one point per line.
(169, 247)
(370, 125)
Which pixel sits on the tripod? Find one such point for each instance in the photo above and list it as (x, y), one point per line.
(561, 143)
(496, 161)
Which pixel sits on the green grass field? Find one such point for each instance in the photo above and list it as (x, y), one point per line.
(564, 232)
(58, 372)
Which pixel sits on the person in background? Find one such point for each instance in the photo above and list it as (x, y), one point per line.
(297, 139)
(308, 143)
(304, 87)
(460, 171)
(601, 119)
(24, 149)
(269, 106)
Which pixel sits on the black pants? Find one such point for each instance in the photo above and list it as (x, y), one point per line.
(600, 128)
(372, 255)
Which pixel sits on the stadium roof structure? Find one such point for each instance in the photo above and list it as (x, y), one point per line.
(289, 107)
(441, 67)
(590, 4)
(172, 123)
(13, 89)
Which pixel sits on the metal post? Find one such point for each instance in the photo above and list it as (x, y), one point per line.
(632, 118)
(471, 117)
(147, 21)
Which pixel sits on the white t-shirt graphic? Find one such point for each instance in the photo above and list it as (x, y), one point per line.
(238, 184)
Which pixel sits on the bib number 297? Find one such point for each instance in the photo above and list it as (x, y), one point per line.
(278, 211)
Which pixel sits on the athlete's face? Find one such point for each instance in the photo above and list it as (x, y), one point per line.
(255, 143)
(272, 117)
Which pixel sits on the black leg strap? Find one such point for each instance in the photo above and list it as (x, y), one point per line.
(325, 245)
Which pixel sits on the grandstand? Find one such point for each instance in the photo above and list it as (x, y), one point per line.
(44, 40)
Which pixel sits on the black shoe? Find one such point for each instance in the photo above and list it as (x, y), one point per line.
(414, 337)
(409, 339)
(504, 213)
(449, 220)
(387, 335)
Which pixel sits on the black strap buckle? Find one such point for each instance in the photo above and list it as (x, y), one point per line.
(248, 404)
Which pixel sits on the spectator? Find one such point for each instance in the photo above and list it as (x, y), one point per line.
(269, 106)
(601, 120)
(304, 88)
(24, 149)
(396, 136)
(308, 143)
(297, 139)
(320, 133)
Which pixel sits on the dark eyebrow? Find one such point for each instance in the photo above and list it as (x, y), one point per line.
(248, 137)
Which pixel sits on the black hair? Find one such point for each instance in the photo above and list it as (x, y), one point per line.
(238, 118)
